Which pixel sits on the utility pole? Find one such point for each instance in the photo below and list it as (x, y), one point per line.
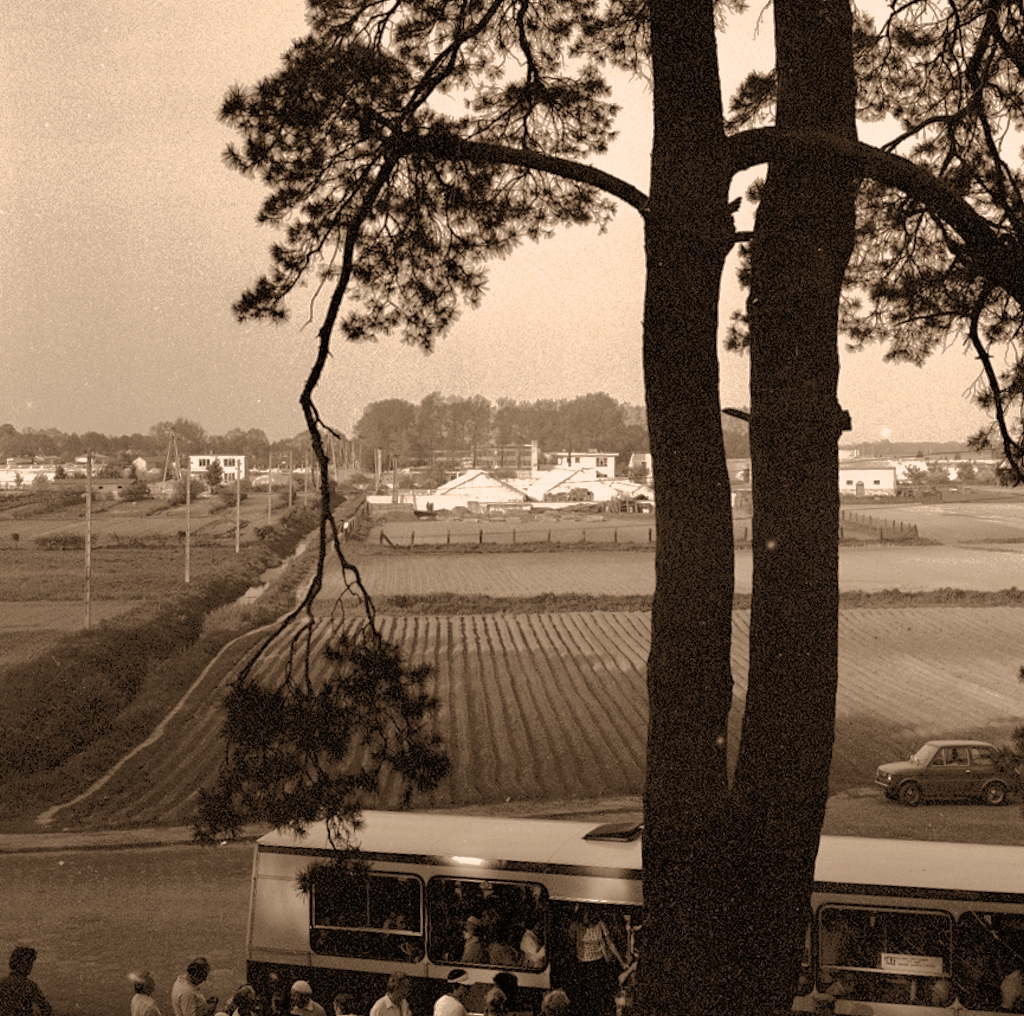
(270, 485)
(88, 540)
(334, 456)
(290, 477)
(238, 506)
(188, 523)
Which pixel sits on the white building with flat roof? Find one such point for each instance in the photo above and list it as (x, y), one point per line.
(232, 465)
(597, 464)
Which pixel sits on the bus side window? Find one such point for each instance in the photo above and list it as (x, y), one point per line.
(880, 954)
(988, 961)
(486, 922)
(366, 915)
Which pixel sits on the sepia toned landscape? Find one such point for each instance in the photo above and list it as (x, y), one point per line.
(539, 667)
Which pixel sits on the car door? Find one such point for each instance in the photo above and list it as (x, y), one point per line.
(945, 776)
(982, 768)
(959, 769)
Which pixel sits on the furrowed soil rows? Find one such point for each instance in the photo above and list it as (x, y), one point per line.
(553, 706)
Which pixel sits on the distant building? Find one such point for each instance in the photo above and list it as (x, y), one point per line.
(597, 464)
(232, 465)
(869, 482)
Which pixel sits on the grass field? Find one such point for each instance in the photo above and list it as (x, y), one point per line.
(137, 554)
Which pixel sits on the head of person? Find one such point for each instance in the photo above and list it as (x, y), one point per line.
(496, 1002)
(198, 970)
(508, 983)
(245, 999)
(301, 994)
(143, 982)
(22, 958)
(471, 928)
(458, 983)
(555, 1003)
(398, 986)
(344, 1003)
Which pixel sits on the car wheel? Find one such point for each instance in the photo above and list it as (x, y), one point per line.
(995, 793)
(910, 794)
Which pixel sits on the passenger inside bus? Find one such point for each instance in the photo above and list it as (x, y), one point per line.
(989, 956)
(484, 923)
(884, 955)
(531, 948)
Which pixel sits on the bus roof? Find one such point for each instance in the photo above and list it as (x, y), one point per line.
(486, 840)
(489, 841)
(921, 864)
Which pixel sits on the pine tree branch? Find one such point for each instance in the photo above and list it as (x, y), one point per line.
(449, 146)
(992, 254)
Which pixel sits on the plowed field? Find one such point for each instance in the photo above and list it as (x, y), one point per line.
(553, 706)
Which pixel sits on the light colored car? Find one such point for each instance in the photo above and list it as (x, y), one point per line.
(949, 771)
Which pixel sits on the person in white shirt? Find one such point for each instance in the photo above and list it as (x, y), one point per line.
(532, 949)
(142, 1001)
(393, 1001)
(186, 998)
(451, 1002)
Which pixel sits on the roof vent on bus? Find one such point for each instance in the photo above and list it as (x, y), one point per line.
(622, 831)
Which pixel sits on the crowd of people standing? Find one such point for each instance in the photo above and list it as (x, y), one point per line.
(21, 996)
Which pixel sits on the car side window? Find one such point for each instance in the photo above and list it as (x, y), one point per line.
(940, 757)
(961, 757)
(983, 758)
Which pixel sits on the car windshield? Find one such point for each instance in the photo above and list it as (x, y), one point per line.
(924, 754)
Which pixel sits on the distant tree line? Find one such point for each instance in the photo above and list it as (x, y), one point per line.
(440, 429)
(190, 437)
(446, 429)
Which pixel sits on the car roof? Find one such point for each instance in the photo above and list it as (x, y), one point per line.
(961, 744)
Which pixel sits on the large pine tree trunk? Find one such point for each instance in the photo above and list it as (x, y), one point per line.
(728, 872)
(689, 680)
(803, 241)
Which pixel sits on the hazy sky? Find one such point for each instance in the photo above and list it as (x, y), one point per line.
(124, 242)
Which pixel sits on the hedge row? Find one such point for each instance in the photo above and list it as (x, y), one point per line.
(55, 705)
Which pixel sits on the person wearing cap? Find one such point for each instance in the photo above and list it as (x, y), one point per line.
(142, 1003)
(473, 950)
(451, 1002)
(393, 1002)
(186, 998)
(302, 1001)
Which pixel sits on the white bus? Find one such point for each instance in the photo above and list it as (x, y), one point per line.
(897, 926)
